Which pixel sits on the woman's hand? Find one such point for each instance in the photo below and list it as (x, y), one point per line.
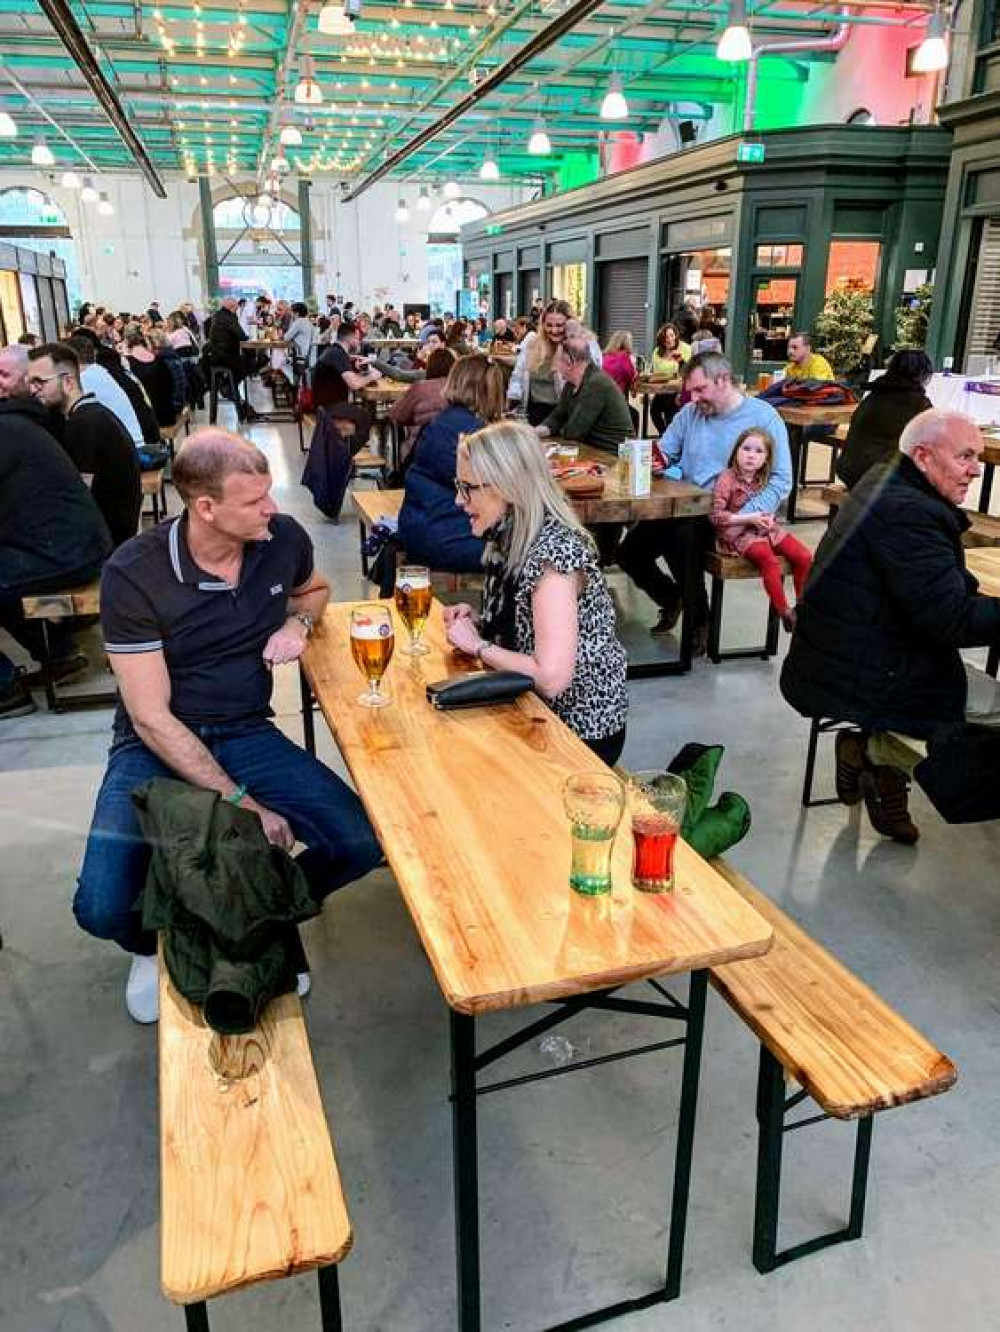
(463, 611)
(463, 634)
(765, 521)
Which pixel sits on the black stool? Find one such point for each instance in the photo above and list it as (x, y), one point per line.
(222, 376)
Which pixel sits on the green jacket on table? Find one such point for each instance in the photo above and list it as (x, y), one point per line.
(596, 413)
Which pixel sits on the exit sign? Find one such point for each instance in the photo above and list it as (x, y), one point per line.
(750, 152)
(494, 229)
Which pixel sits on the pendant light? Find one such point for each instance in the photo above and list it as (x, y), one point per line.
(280, 164)
(41, 154)
(70, 180)
(334, 21)
(539, 145)
(8, 126)
(402, 212)
(490, 170)
(307, 90)
(104, 205)
(451, 189)
(734, 44)
(89, 194)
(291, 136)
(424, 200)
(614, 106)
(932, 53)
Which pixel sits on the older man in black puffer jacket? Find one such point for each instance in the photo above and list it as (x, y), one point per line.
(888, 606)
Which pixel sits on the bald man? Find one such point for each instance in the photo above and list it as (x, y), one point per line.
(14, 371)
(196, 615)
(887, 610)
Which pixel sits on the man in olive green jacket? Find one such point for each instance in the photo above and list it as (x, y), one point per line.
(591, 408)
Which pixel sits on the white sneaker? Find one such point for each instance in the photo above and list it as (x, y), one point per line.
(142, 990)
(303, 984)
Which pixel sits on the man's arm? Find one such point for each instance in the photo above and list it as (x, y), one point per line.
(144, 682)
(288, 643)
(556, 419)
(585, 409)
(672, 439)
(356, 381)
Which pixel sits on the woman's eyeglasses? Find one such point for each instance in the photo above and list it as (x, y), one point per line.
(465, 489)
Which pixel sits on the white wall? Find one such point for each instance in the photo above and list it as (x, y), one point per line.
(150, 249)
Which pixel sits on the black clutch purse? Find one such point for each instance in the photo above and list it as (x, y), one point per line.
(478, 690)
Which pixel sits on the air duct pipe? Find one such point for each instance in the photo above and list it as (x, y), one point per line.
(835, 42)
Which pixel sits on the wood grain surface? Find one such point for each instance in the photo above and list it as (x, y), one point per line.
(152, 482)
(386, 390)
(468, 808)
(84, 600)
(831, 1033)
(807, 416)
(249, 1183)
(647, 386)
(984, 565)
(371, 505)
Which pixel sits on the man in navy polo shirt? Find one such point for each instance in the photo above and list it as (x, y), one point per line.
(195, 614)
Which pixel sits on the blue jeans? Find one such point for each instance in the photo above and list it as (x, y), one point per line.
(323, 812)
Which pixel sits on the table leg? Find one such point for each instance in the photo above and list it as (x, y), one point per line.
(691, 590)
(685, 1132)
(466, 1168)
(795, 434)
(645, 416)
(986, 489)
(308, 721)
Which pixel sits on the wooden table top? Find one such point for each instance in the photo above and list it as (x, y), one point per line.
(983, 562)
(825, 415)
(991, 449)
(265, 344)
(647, 385)
(384, 390)
(468, 808)
(667, 499)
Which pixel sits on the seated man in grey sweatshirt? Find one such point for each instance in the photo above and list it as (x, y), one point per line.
(700, 440)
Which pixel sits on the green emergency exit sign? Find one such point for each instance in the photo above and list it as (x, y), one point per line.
(750, 152)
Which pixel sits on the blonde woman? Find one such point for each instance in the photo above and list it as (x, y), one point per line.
(535, 381)
(546, 607)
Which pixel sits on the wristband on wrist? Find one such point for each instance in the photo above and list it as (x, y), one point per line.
(234, 797)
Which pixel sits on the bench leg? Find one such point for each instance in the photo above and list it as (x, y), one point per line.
(771, 637)
(329, 1300)
(807, 784)
(51, 698)
(466, 1167)
(715, 650)
(772, 1108)
(715, 621)
(196, 1317)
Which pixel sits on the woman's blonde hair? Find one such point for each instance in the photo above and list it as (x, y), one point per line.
(542, 351)
(475, 383)
(620, 340)
(510, 457)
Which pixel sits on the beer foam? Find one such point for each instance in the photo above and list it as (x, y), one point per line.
(414, 583)
(369, 630)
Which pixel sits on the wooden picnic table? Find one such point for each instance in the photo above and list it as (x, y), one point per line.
(649, 386)
(991, 457)
(468, 809)
(385, 391)
(798, 420)
(983, 562)
(266, 344)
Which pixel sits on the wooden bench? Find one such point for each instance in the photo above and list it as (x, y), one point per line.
(249, 1184)
(169, 433)
(984, 528)
(847, 1050)
(46, 606)
(722, 569)
(152, 489)
(366, 463)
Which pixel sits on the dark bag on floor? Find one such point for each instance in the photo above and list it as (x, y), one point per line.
(328, 466)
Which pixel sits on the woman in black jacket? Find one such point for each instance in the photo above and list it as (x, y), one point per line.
(890, 404)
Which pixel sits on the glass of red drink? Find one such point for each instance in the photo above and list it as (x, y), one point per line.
(657, 801)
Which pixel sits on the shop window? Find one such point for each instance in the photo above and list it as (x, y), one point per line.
(772, 315)
(779, 256)
(569, 283)
(10, 306)
(699, 276)
(852, 266)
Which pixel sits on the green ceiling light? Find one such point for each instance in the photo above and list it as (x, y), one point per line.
(539, 145)
(932, 53)
(70, 180)
(41, 154)
(291, 136)
(8, 126)
(307, 90)
(734, 44)
(614, 106)
(424, 200)
(89, 194)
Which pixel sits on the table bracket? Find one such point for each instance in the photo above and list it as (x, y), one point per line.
(465, 1063)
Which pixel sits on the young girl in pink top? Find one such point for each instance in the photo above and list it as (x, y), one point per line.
(757, 536)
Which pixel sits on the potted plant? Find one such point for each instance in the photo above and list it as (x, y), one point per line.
(913, 316)
(843, 326)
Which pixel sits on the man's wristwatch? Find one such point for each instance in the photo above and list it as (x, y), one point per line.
(306, 620)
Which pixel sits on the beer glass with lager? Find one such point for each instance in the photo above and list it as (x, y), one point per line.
(658, 801)
(594, 803)
(413, 601)
(372, 641)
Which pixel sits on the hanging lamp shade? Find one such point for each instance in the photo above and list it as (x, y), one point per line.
(490, 170)
(539, 145)
(424, 200)
(41, 154)
(104, 205)
(734, 44)
(291, 136)
(89, 194)
(307, 90)
(8, 126)
(451, 189)
(70, 180)
(932, 53)
(334, 21)
(614, 106)
(402, 212)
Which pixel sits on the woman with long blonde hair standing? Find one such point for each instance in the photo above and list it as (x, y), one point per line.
(546, 606)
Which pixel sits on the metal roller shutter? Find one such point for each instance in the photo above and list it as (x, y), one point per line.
(530, 286)
(984, 323)
(623, 289)
(505, 296)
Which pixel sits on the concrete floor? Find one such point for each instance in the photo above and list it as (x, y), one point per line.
(574, 1172)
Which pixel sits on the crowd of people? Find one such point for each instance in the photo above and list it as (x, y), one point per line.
(878, 622)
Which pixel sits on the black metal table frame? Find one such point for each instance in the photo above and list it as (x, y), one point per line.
(331, 1318)
(466, 1063)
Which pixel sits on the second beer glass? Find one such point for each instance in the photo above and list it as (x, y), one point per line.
(413, 601)
(372, 641)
